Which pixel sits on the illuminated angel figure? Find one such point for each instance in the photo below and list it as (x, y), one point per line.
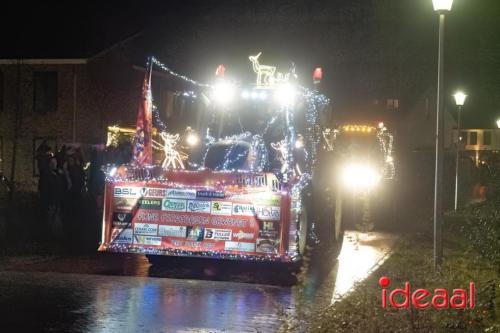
(173, 158)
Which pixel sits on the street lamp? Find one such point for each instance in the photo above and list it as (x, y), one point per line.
(441, 7)
(459, 101)
(498, 123)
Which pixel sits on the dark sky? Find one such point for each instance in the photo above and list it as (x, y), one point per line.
(368, 48)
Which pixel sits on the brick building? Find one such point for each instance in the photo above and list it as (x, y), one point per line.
(66, 101)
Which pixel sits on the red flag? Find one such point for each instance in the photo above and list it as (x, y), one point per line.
(142, 149)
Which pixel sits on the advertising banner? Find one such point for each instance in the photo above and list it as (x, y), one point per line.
(189, 219)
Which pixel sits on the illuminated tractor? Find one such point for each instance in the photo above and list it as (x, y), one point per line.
(363, 164)
(247, 189)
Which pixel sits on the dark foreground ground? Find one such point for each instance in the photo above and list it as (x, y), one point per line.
(117, 293)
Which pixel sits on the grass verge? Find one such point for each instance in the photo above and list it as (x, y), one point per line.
(411, 261)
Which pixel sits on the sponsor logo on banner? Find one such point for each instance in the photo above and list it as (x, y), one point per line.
(145, 216)
(255, 180)
(180, 193)
(266, 246)
(145, 229)
(126, 192)
(124, 203)
(174, 205)
(259, 198)
(147, 240)
(218, 234)
(172, 231)
(268, 229)
(121, 219)
(149, 203)
(243, 235)
(268, 212)
(195, 233)
(198, 206)
(239, 246)
(153, 192)
(210, 194)
(121, 236)
(221, 208)
(243, 209)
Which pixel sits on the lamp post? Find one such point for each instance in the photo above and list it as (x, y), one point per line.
(441, 7)
(459, 101)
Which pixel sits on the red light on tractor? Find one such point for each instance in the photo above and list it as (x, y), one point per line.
(220, 71)
(317, 75)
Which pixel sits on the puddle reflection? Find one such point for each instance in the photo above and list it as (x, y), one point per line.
(188, 295)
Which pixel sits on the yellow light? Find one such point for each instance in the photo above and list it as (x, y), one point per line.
(360, 176)
(442, 5)
(223, 92)
(285, 94)
(460, 98)
(192, 139)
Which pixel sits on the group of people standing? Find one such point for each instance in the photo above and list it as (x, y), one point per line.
(70, 191)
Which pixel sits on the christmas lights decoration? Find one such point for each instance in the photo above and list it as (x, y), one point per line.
(172, 156)
(182, 77)
(256, 157)
(384, 139)
(265, 73)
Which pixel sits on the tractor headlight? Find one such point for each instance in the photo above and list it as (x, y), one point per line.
(359, 176)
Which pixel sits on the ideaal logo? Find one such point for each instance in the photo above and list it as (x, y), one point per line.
(422, 298)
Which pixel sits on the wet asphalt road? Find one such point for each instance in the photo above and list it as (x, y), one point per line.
(117, 293)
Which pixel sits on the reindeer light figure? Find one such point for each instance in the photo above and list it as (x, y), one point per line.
(265, 73)
(172, 157)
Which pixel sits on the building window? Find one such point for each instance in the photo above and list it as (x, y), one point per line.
(44, 92)
(473, 138)
(487, 138)
(392, 104)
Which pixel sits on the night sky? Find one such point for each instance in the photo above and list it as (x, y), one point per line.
(369, 49)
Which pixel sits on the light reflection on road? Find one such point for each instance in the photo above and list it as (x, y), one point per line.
(107, 303)
(361, 254)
